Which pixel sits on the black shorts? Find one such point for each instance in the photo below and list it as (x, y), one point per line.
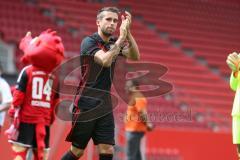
(101, 130)
(27, 135)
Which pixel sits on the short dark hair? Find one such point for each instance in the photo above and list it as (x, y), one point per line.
(134, 83)
(109, 9)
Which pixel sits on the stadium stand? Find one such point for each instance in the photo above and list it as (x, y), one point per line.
(191, 38)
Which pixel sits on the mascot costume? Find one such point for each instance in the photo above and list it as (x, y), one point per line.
(34, 100)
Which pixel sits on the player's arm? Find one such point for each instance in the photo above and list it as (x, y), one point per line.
(19, 92)
(234, 81)
(144, 118)
(131, 51)
(141, 104)
(106, 58)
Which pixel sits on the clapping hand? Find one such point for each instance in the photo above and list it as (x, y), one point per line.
(233, 60)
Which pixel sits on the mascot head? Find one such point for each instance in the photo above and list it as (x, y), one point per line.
(45, 51)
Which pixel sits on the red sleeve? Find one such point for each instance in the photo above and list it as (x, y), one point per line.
(19, 91)
(18, 98)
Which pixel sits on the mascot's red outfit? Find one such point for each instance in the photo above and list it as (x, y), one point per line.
(35, 95)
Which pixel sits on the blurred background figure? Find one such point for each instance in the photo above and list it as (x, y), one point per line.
(5, 98)
(233, 63)
(136, 120)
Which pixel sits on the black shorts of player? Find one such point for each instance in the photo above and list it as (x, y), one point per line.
(101, 130)
(27, 135)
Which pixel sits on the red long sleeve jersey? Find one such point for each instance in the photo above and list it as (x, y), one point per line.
(36, 95)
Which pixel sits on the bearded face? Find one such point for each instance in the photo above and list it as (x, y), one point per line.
(107, 23)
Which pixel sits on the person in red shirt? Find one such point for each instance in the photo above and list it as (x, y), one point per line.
(35, 96)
